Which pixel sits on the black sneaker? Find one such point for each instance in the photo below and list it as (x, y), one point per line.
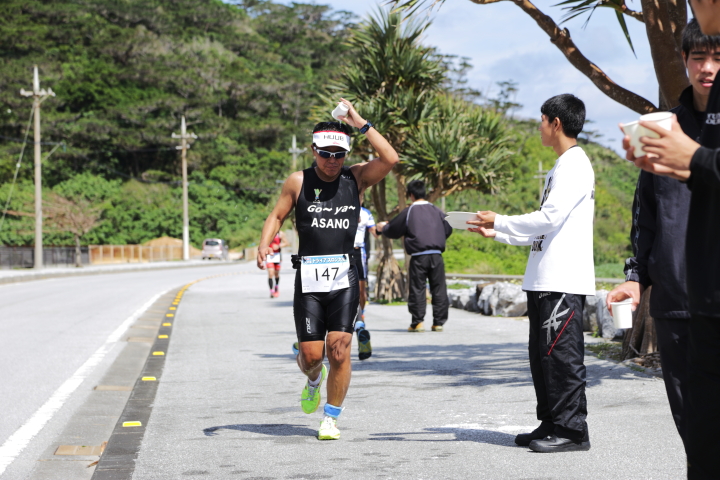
(364, 346)
(553, 443)
(539, 433)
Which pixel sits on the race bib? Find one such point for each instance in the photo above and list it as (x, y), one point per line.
(324, 273)
(274, 258)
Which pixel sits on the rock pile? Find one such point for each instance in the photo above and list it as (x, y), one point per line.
(507, 299)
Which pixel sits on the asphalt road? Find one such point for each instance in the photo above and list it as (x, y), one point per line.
(49, 329)
(425, 406)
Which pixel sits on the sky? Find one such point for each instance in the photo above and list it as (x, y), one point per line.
(504, 43)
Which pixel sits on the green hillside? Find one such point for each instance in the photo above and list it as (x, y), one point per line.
(246, 76)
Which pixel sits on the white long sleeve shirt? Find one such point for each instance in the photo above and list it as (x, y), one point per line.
(561, 232)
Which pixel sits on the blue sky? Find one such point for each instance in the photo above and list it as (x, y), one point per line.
(504, 43)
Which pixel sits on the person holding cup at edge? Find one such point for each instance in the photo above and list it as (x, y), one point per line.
(677, 155)
(660, 210)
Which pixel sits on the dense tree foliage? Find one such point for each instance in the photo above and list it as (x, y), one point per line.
(245, 76)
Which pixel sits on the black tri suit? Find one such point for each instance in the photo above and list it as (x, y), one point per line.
(326, 217)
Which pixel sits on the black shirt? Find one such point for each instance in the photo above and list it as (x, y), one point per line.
(660, 212)
(424, 227)
(326, 214)
(703, 233)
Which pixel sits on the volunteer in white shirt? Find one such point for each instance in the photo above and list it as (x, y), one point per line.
(559, 274)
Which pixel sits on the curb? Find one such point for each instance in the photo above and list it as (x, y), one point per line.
(45, 274)
(117, 461)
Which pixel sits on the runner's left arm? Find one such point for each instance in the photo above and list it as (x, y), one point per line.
(282, 209)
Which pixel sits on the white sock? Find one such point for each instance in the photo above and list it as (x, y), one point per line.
(316, 382)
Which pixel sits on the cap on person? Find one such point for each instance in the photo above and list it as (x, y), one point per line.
(327, 134)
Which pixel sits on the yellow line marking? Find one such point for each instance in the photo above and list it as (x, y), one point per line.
(162, 336)
(173, 308)
(132, 424)
(158, 353)
(167, 324)
(169, 314)
(149, 379)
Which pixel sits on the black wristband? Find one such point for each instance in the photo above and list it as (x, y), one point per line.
(366, 127)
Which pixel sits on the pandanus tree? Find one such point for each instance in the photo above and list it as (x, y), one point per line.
(391, 78)
(464, 146)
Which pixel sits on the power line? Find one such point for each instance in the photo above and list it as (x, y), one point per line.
(17, 169)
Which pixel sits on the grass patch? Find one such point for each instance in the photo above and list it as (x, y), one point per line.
(608, 351)
(458, 286)
(395, 303)
(610, 270)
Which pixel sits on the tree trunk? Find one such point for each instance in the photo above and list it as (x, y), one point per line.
(641, 339)
(78, 253)
(390, 283)
(661, 18)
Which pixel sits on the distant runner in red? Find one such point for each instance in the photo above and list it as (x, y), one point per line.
(273, 263)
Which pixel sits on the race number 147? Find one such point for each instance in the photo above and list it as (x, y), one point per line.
(326, 274)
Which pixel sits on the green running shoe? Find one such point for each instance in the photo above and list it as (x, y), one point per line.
(364, 346)
(310, 397)
(296, 348)
(328, 429)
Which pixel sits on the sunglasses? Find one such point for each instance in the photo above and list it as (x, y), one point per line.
(327, 154)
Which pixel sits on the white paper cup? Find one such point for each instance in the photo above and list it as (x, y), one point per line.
(635, 131)
(340, 111)
(622, 313)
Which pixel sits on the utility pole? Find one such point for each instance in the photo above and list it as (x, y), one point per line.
(184, 137)
(541, 178)
(39, 96)
(295, 152)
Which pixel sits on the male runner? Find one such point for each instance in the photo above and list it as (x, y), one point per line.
(326, 199)
(273, 263)
(366, 222)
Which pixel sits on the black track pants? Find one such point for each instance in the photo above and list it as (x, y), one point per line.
(672, 338)
(432, 268)
(557, 351)
(703, 439)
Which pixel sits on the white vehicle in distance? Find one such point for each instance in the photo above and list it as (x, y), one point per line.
(214, 248)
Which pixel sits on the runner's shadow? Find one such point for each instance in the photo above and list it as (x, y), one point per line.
(461, 435)
(272, 429)
(288, 303)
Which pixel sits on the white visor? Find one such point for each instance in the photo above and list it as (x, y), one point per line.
(327, 138)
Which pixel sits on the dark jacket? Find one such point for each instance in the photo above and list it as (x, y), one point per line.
(423, 226)
(703, 233)
(660, 212)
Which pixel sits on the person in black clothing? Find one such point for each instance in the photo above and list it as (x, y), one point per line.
(660, 211)
(677, 155)
(425, 230)
(326, 199)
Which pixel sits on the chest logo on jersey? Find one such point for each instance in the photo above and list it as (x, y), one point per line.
(712, 119)
(317, 195)
(343, 209)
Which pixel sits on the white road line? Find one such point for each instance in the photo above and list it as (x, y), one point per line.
(17, 442)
